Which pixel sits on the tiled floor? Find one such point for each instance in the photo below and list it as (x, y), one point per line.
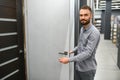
(107, 61)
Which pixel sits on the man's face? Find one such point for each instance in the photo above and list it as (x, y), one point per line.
(85, 16)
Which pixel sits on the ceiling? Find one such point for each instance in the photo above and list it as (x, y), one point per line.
(101, 4)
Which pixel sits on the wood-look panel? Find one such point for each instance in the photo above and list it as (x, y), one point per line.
(10, 22)
(8, 68)
(7, 12)
(8, 55)
(6, 27)
(14, 77)
(6, 41)
(8, 3)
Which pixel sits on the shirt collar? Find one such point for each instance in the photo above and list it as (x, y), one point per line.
(89, 26)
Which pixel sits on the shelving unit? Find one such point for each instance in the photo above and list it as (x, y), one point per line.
(114, 33)
(98, 23)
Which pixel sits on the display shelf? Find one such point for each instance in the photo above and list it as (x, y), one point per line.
(98, 23)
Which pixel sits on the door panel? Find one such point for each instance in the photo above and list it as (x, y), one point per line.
(7, 27)
(8, 3)
(8, 6)
(8, 68)
(8, 40)
(11, 41)
(6, 55)
(46, 32)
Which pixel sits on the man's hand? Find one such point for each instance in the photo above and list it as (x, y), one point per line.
(64, 60)
(70, 52)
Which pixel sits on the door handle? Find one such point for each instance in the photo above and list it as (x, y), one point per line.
(63, 53)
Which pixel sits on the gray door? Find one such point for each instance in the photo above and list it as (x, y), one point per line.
(47, 34)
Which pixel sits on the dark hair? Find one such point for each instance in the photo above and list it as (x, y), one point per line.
(86, 7)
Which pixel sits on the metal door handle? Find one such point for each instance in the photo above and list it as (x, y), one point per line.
(63, 53)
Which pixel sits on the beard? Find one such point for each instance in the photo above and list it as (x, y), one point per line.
(85, 22)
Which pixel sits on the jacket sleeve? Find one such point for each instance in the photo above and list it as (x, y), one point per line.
(91, 46)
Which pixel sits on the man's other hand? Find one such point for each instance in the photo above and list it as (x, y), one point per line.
(64, 60)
